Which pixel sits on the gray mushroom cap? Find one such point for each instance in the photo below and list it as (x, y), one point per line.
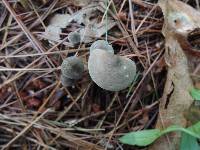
(109, 71)
(101, 44)
(72, 67)
(66, 81)
(74, 38)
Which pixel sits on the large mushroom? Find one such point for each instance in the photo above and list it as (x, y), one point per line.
(109, 71)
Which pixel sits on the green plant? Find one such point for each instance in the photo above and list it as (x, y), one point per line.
(146, 137)
(195, 93)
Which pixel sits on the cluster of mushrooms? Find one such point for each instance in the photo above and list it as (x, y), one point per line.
(109, 71)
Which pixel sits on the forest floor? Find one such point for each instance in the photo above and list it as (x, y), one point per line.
(38, 112)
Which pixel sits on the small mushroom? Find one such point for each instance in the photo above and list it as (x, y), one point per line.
(72, 69)
(74, 38)
(109, 71)
(66, 81)
(103, 45)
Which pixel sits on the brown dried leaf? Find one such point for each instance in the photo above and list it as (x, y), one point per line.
(33, 102)
(81, 2)
(95, 108)
(180, 19)
(88, 16)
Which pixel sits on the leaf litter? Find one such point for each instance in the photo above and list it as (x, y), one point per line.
(38, 112)
(91, 29)
(179, 22)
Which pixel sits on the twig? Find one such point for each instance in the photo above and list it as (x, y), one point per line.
(24, 130)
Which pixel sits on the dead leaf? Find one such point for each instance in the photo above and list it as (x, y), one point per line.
(179, 21)
(39, 84)
(82, 2)
(33, 102)
(94, 31)
(87, 16)
(58, 22)
(179, 17)
(197, 85)
(95, 108)
(122, 16)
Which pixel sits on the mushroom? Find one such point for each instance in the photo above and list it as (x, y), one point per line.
(109, 71)
(101, 44)
(66, 81)
(72, 69)
(74, 38)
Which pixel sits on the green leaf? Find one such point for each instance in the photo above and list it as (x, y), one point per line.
(195, 93)
(193, 130)
(146, 137)
(188, 142)
(141, 138)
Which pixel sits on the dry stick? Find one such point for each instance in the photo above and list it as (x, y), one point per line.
(19, 97)
(17, 50)
(30, 139)
(11, 41)
(132, 22)
(37, 135)
(152, 76)
(24, 130)
(144, 19)
(7, 104)
(6, 30)
(125, 33)
(121, 7)
(42, 90)
(32, 25)
(84, 98)
(143, 3)
(53, 140)
(46, 100)
(18, 74)
(132, 44)
(45, 53)
(36, 44)
(73, 100)
(62, 114)
(107, 109)
(23, 27)
(39, 17)
(135, 91)
(129, 120)
(29, 69)
(3, 16)
(78, 141)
